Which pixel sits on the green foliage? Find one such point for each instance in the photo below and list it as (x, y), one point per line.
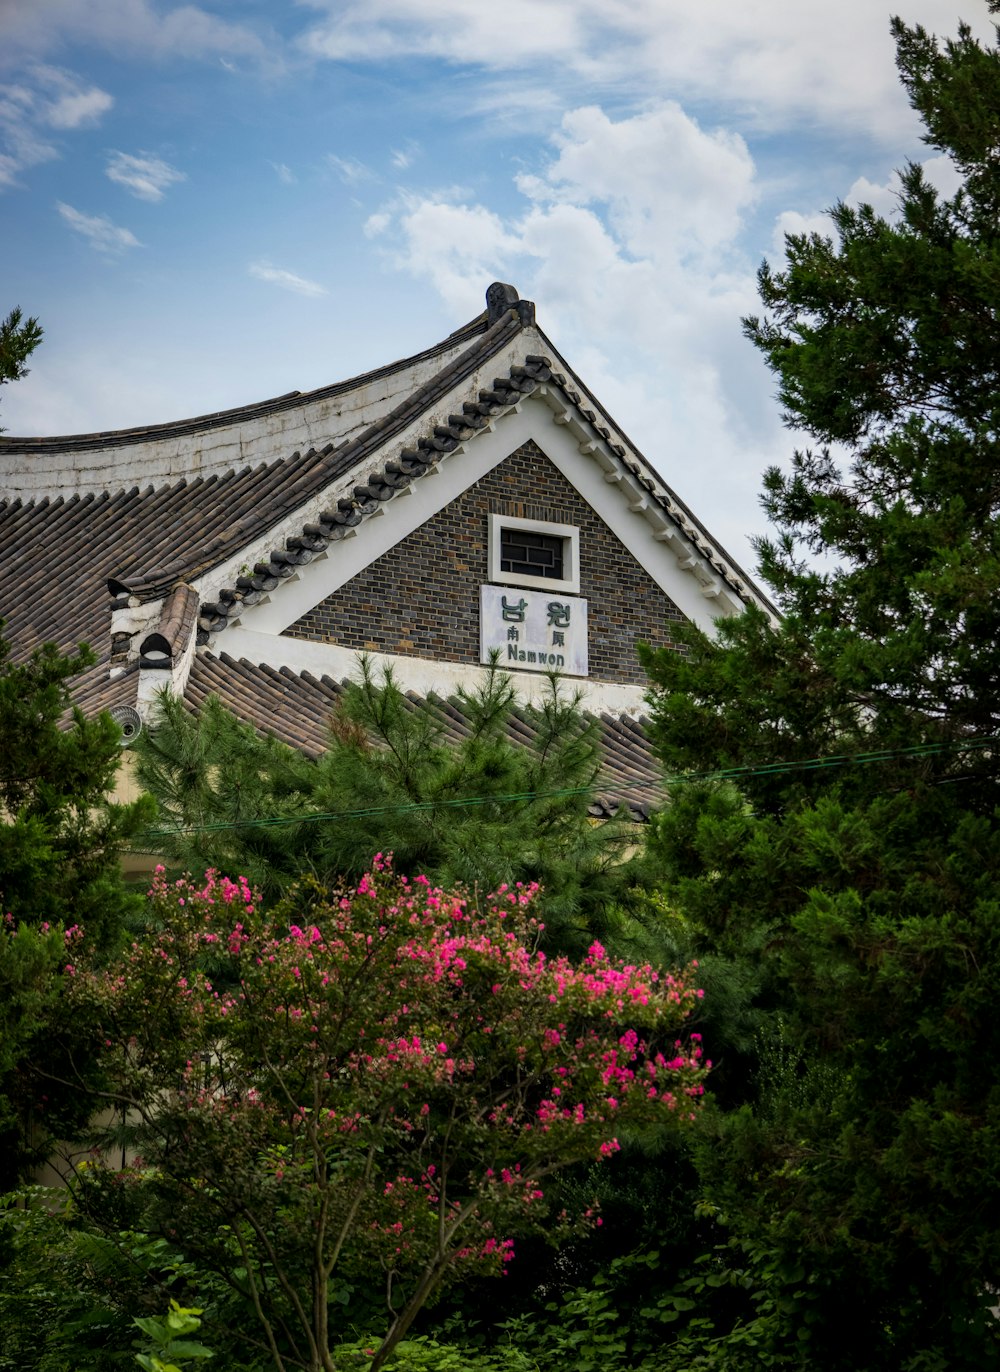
(425, 1354)
(368, 1087)
(172, 1350)
(392, 776)
(31, 964)
(69, 1293)
(60, 845)
(65, 1292)
(19, 338)
(60, 835)
(855, 911)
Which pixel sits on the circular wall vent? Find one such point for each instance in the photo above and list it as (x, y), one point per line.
(129, 721)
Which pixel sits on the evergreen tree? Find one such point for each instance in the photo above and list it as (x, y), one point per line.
(481, 810)
(859, 1174)
(61, 838)
(61, 835)
(18, 340)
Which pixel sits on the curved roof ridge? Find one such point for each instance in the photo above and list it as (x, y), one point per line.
(302, 476)
(255, 410)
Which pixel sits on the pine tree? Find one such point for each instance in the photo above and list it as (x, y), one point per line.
(861, 902)
(18, 340)
(479, 810)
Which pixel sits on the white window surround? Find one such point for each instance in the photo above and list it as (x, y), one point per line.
(570, 535)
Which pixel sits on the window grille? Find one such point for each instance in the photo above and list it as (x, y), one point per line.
(524, 552)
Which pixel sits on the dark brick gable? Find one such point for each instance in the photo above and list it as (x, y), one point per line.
(421, 598)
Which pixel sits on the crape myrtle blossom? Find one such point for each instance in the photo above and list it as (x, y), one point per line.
(378, 1077)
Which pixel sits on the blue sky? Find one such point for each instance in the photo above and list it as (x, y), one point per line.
(209, 204)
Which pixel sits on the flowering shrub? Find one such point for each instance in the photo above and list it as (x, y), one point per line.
(379, 1079)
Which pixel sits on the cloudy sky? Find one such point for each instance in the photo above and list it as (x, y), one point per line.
(208, 204)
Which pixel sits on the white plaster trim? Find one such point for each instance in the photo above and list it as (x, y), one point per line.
(225, 574)
(677, 567)
(570, 536)
(345, 559)
(153, 680)
(417, 673)
(149, 686)
(136, 620)
(222, 444)
(183, 664)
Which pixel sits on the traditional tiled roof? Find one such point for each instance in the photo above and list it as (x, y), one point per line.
(368, 496)
(141, 543)
(286, 485)
(411, 463)
(173, 634)
(63, 554)
(296, 708)
(199, 424)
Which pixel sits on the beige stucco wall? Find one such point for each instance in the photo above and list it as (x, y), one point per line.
(127, 789)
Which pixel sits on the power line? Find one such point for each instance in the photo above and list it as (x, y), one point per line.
(723, 774)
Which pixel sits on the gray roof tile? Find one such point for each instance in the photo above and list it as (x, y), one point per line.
(296, 709)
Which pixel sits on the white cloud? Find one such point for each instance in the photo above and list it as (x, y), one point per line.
(146, 27)
(631, 236)
(940, 172)
(653, 196)
(349, 169)
(46, 98)
(23, 146)
(146, 177)
(662, 177)
(770, 59)
(400, 159)
(277, 276)
(459, 247)
(883, 197)
(792, 222)
(284, 174)
(66, 103)
(98, 230)
(9, 168)
(943, 175)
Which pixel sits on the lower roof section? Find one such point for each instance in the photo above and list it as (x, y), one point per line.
(295, 707)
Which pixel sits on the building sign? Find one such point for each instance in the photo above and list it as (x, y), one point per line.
(535, 631)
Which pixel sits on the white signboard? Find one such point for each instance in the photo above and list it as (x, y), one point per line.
(534, 631)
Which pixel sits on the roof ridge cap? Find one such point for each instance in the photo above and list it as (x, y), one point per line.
(218, 418)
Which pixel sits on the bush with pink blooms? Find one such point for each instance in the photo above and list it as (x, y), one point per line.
(378, 1081)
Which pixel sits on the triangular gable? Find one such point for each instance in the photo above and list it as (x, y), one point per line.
(404, 486)
(701, 582)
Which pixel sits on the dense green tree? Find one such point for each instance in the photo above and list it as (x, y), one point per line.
(368, 1089)
(857, 1181)
(61, 839)
(61, 833)
(19, 338)
(480, 810)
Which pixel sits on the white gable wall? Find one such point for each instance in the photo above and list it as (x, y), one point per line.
(652, 537)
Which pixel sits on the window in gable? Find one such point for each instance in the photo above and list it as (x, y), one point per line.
(530, 552)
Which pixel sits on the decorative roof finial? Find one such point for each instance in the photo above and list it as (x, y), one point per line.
(500, 298)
